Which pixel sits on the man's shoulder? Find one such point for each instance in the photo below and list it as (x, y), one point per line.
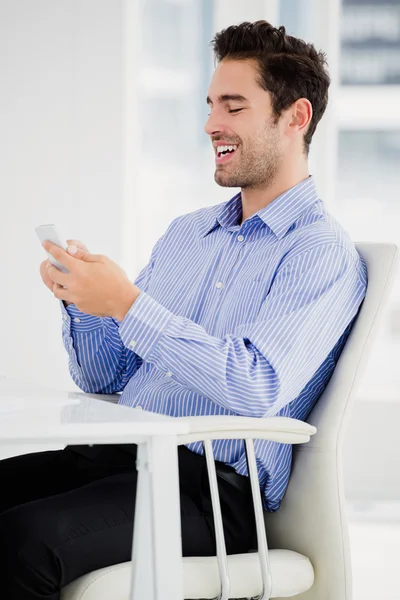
(318, 228)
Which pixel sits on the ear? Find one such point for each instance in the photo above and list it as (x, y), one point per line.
(301, 115)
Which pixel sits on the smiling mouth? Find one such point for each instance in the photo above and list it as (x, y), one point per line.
(225, 153)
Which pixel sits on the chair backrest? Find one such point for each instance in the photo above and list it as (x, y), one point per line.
(312, 518)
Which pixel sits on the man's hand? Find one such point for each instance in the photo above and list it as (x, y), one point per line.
(95, 284)
(46, 264)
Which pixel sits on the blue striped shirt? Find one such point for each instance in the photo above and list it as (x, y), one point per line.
(235, 318)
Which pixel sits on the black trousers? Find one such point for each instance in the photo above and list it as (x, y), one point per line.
(68, 512)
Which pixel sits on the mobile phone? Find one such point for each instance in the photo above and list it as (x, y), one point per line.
(50, 233)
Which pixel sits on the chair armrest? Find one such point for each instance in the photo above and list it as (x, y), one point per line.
(222, 427)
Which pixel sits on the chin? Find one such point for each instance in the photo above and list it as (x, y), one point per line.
(225, 180)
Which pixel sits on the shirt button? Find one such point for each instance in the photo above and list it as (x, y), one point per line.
(169, 374)
(65, 317)
(132, 343)
(240, 238)
(219, 284)
(77, 320)
(139, 407)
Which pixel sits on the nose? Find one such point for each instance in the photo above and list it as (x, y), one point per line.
(212, 126)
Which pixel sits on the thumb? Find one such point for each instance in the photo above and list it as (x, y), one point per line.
(76, 252)
(82, 254)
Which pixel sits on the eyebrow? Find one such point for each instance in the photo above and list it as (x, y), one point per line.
(227, 97)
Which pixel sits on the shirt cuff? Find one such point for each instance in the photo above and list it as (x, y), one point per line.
(144, 325)
(77, 321)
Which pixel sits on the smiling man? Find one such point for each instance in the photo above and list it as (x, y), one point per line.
(249, 320)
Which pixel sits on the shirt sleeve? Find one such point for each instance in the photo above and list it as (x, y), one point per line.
(261, 366)
(98, 360)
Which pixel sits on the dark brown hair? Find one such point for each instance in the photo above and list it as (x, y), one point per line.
(289, 68)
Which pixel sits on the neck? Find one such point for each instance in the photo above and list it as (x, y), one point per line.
(254, 199)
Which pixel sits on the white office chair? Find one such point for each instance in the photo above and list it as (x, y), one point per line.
(308, 556)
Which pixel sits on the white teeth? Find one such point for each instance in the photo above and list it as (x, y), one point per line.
(226, 148)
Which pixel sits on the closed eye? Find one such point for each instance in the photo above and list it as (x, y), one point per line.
(235, 110)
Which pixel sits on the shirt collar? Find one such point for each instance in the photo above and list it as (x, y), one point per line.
(279, 215)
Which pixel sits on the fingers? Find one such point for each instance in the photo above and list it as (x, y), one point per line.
(43, 270)
(56, 276)
(85, 256)
(77, 244)
(59, 254)
(61, 293)
(77, 252)
(52, 276)
(55, 280)
(45, 276)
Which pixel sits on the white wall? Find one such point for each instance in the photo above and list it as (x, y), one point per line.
(80, 87)
(61, 101)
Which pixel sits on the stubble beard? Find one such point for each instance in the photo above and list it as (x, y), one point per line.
(257, 167)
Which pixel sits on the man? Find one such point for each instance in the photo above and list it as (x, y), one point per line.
(249, 320)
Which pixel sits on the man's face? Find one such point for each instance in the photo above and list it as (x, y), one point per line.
(241, 116)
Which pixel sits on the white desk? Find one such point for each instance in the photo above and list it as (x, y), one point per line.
(44, 417)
